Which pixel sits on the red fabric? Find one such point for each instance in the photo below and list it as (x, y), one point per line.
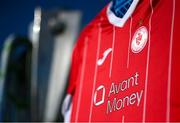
(137, 82)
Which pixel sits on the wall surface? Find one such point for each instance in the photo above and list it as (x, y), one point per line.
(15, 15)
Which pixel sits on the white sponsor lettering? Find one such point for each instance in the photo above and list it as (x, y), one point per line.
(120, 94)
(118, 104)
(124, 85)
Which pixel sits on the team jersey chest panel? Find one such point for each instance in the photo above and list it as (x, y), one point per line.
(125, 71)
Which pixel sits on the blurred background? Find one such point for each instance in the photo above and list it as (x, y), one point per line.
(36, 41)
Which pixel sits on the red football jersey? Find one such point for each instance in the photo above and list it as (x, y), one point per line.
(126, 69)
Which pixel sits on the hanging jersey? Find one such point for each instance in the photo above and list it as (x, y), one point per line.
(126, 69)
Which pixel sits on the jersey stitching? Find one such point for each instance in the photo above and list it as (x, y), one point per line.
(170, 65)
(95, 76)
(147, 67)
(82, 78)
(123, 119)
(130, 36)
(112, 55)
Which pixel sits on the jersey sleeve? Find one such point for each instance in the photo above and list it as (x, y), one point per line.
(76, 63)
(75, 69)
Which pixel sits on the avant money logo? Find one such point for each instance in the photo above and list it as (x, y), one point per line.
(99, 91)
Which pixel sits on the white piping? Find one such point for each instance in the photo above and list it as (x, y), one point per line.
(95, 76)
(123, 119)
(81, 79)
(114, 35)
(147, 67)
(130, 36)
(170, 65)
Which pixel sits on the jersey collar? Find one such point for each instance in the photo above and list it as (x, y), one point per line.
(119, 22)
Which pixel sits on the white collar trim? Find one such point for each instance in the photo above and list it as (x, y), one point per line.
(119, 22)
